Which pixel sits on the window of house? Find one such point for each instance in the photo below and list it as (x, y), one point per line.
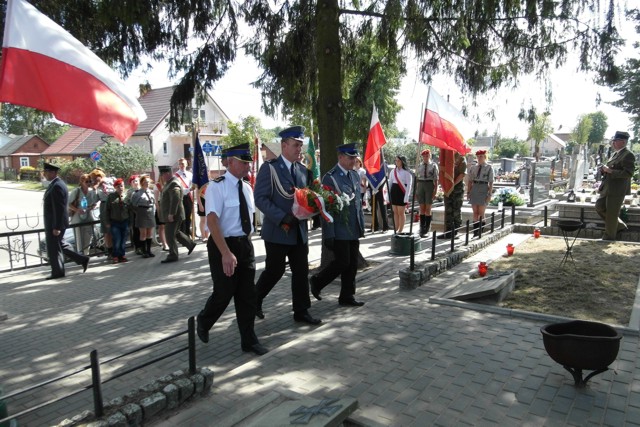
(165, 148)
(24, 161)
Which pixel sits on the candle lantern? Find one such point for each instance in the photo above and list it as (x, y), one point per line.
(536, 233)
(482, 269)
(510, 249)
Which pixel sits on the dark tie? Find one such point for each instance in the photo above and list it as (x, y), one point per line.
(244, 211)
(479, 171)
(425, 170)
(293, 174)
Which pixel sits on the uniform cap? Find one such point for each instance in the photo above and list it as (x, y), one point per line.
(240, 152)
(295, 132)
(164, 169)
(621, 135)
(348, 149)
(50, 167)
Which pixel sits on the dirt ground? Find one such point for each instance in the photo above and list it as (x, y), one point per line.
(600, 285)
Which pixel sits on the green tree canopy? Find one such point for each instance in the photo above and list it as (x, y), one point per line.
(539, 129)
(245, 132)
(483, 44)
(580, 134)
(598, 129)
(15, 119)
(509, 147)
(122, 161)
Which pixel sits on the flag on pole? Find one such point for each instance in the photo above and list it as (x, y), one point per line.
(444, 126)
(44, 67)
(375, 141)
(376, 179)
(257, 159)
(312, 164)
(446, 170)
(200, 170)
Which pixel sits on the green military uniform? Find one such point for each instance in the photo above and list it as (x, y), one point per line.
(453, 202)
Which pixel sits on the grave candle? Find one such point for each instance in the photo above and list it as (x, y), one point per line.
(510, 249)
(536, 233)
(482, 269)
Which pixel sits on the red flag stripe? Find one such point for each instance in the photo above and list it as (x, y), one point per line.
(375, 142)
(44, 67)
(443, 125)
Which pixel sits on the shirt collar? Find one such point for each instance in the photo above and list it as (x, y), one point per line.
(287, 163)
(346, 172)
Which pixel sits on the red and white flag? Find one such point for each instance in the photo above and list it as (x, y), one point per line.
(444, 126)
(44, 67)
(375, 141)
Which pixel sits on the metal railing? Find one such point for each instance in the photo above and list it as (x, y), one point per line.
(96, 382)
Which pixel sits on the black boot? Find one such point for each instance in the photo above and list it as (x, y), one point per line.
(476, 226)
(423, 220)
(149, 253)
(427, 224)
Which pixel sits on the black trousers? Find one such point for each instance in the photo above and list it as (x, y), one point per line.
(274, 269)
(345, 265)
(187, 202)
(381, 212)
(57, 248)
(240, 287)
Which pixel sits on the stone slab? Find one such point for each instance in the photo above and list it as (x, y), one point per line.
(495, 286)
(311, 410)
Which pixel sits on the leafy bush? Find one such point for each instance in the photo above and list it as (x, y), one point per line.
(508, 197)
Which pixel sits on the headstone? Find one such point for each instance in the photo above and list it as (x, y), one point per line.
(494, 287)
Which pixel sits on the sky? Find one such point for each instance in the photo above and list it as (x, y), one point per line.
(574, 94)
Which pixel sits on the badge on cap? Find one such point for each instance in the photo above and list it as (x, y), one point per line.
(348, 149)
(294, 132)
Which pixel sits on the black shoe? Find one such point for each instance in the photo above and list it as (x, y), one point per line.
(305, 317)
(203, 334)
(151, 255)
(191, 248)
(53, 277)
(314, 288)
(85, 264)
(259, 312)
(166, 260)
(256, 348)
(350, 302)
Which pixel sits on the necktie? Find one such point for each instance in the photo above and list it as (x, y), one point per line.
(426, 166)
(479, 171)
(293, 174)
(244, 211)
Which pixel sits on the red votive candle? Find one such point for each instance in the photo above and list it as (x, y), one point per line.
(482, 269)
(510, 249)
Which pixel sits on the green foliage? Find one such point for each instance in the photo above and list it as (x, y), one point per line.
(245, 132)
(70, 171)
(15, 119)
(122, 161)
(409, 150)
(539, 129)
(598, 128)
(509, 147)
(580, 134)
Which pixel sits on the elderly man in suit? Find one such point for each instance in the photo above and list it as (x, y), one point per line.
(616, 183)
(56, 221)
(284, 235)
(172, 214)
(342, 236)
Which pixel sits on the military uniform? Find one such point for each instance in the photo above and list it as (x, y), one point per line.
(453, 202)
(343, 234)
(171, 203)
(480, 179)
(426, 186)
(615, 185)
(284, 235)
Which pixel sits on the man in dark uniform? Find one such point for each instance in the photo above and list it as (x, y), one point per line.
(284, 235)
(453, 202)
(616, 183)
(56, 221)
(172, 214)
(342, 236)
(229, 208)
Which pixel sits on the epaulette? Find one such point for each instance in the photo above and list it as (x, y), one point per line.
(219, 179)
(332, 171)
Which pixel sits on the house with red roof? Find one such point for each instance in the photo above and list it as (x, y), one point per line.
(152, 134)
(23, 150)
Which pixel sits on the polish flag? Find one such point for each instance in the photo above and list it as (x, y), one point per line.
(375, 141)
(444, 126)
(44, 67)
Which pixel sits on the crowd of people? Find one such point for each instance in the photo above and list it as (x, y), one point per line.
(227, 204)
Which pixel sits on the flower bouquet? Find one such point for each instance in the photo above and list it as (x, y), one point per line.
(319, 199)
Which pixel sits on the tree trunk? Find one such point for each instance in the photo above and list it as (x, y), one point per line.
(330, 106)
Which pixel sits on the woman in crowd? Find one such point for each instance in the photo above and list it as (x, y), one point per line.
(102, 189)
(82, 202)
(134, 185)
(400, 180)
(117, 220)
(480, 188)
(204, 233)
(157, 193)
(145, 204)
